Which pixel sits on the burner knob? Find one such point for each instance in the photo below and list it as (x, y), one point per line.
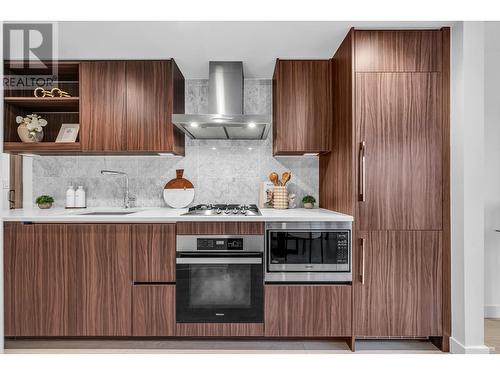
(227, 212)
(235, 211)
(218, 211)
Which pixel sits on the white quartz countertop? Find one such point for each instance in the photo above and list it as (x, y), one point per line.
(165, 215)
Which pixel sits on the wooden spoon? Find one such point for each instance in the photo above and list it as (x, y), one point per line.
(286, 177)
(273, 177)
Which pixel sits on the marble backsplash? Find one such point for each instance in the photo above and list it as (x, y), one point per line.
(221, 171)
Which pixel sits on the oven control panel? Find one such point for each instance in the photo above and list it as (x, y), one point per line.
(219, 243)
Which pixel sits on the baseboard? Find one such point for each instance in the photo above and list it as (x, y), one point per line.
(457, 347)
(492, 311)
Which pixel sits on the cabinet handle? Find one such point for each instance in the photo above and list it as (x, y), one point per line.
(362, 246)
(362, 171)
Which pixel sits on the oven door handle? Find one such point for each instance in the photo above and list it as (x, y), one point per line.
(219, 260)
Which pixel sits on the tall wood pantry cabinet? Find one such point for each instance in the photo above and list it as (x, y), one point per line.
(389, 167)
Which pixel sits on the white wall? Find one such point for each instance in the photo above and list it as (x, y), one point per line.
(467, 188)
(492, 165)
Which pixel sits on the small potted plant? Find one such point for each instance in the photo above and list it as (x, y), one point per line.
(44, 201)
(308, 201)
(30, 128)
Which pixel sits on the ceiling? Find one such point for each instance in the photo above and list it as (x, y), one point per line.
(193, 44)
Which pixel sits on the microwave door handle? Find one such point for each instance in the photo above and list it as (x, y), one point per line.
(219, 260)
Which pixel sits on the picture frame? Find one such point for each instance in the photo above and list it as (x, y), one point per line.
(68, 133)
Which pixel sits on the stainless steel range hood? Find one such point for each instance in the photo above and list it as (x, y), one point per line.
(225, 119)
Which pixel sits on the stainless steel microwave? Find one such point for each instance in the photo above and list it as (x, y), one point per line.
(308, 252)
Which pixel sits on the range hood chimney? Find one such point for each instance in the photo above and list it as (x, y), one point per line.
(225, 119)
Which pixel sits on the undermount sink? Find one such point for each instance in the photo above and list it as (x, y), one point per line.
(109, 213)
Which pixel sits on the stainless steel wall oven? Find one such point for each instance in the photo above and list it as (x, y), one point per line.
(220, 279)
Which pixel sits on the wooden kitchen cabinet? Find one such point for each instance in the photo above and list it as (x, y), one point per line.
(399, 288)
(153, 310)
(104, 288)
(127, 106)
(103, 96)
(390, 168)
(398, 51)
(40, 280)
(302, 107)
(398, 119)
(155, 90)
(153, 252)
(307, 310)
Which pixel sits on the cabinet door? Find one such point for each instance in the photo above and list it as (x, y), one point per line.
(402, 285)
(149, 106)
(104, 287)
(307, 310)
(398, 117)
(302, 106)
(398, 50)
(40, 268)
(153, 252)
(103, 90)
(153, 312)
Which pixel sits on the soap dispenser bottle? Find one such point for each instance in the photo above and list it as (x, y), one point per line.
(80, 200)
(70, 197)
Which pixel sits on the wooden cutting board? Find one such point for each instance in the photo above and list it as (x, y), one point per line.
(179, 192)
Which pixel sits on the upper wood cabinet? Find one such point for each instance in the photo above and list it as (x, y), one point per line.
(302, 107)
(153, 252)
(127, 106)
(103, 87)
(398, 51)
(400, 293)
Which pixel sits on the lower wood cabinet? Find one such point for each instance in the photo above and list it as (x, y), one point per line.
(153, 252)
(40, 280)
(307, 310)
(67, 280)
(153, 310)
(401, 294)
(104, 288)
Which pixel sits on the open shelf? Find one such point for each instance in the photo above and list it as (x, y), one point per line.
(45, 104)
(19, 100)
(41, 147)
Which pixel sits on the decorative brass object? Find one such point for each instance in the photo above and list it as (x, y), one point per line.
(40, 92)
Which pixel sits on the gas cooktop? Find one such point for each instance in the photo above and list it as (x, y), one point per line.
(224, 210)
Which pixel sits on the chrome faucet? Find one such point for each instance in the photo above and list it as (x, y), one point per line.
(127, 198)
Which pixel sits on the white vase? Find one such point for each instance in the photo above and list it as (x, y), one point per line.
(25, 136)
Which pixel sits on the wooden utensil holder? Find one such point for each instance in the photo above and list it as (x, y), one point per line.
(280, 197)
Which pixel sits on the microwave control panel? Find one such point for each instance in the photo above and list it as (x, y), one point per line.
(342, 256)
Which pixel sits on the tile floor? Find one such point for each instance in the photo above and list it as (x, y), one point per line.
(217, 346)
